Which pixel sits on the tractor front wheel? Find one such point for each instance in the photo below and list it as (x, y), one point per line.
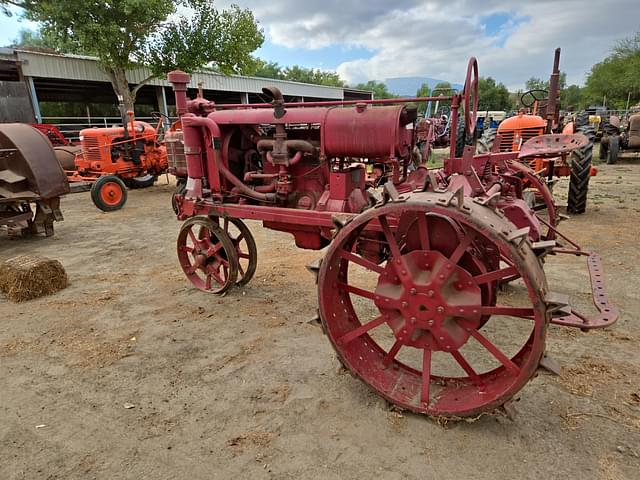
(581, 160)
(207, 255)
(245, 244)
(612, 151)
(109, 193)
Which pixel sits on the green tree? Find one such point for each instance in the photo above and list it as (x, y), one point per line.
(266, 69)
(617, 77)
(443, 88)
(379, 89)
(127, 33)
(492, 95)
(296, 73)
(535, 83)
(423, 91)
(571, 98)
(311, 75)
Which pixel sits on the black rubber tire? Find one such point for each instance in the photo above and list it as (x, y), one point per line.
(141, 182)
(604, 147)
(181, 186)
(582, 120)
(486, 141)
(581, 160)
(101, 183)
(462, 138)
(613, 150)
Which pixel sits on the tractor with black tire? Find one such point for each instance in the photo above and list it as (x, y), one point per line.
(541, 115)
(618, 138)
(112, 159)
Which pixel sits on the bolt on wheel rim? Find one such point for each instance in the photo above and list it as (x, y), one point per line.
(207, 255)
(420, 329)
(111, 193)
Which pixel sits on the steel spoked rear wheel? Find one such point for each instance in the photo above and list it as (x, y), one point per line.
(424, 324)
(207, 255)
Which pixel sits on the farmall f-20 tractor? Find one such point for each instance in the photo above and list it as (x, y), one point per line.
(543, 118)
(409, 286)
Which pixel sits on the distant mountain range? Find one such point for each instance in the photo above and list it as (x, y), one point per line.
(408, 86)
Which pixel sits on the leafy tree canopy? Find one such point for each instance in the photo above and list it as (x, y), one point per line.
(126, 33)
(617, 77)
(492, 95)
(379, 89)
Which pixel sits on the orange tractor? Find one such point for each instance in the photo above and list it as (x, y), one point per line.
(111, 159)
(544, 119)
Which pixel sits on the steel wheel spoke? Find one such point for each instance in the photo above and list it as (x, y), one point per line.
(186, 248)
(466, 367)
(388, 358)
(239, 238)
(243, 255)
(391, 239)
(225, 225)
(423, 231)
(495, 351)
(240, 269)
(391, 302)
(426, 375)
(207, 282)
(496, 275)
(461, 248)
(523, 312)
(192, 236)
(363, 262)
(361, 330)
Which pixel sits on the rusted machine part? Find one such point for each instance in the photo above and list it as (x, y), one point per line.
(552, 145)
(430, 295)
(30, 178)
(607, 312)
(66, 156)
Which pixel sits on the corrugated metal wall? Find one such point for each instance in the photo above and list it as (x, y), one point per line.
(15, 103)
(85, 68)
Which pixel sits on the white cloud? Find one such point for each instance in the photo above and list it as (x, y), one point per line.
(436, 38)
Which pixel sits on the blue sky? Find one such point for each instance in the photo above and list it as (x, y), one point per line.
(378, 39)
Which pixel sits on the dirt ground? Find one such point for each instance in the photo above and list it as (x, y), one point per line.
(132, 373)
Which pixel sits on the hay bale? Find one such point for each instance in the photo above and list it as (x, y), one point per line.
(26, 276)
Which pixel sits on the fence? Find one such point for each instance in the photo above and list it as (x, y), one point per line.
(70, 127)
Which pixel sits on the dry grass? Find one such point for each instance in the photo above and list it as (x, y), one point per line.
(26, 277)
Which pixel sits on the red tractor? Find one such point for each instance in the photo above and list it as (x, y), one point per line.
(112, 159)
(544, 118)
(408, 288)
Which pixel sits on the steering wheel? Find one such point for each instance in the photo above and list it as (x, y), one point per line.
(470, 97)
(536, 95)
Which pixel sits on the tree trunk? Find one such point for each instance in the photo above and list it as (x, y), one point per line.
(118, 78)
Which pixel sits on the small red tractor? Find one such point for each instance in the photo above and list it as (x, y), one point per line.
(544, 119)
(31, 181)
(409, 288)
(112, 159)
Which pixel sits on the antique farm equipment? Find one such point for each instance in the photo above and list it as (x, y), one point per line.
(408, 289)
(616, 138)
(31, 181)
(111, 159)
(544, 119)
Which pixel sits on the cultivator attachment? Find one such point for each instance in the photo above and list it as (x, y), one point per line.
(31, 181)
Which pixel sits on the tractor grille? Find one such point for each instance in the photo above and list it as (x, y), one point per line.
(509, 137)
(90, 149)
